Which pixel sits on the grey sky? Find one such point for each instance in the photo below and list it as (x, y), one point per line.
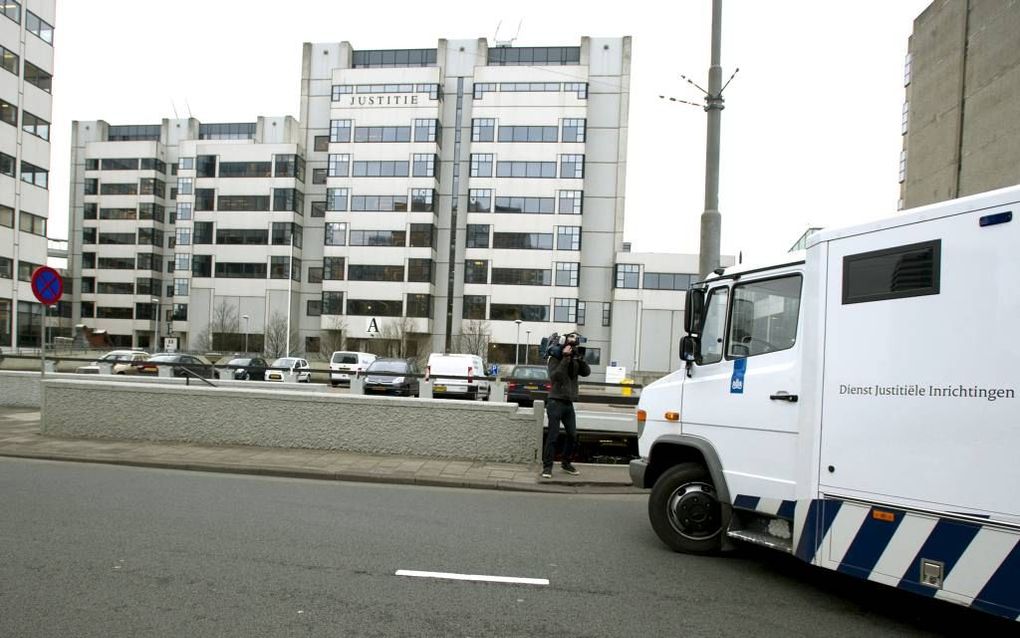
(811, 130)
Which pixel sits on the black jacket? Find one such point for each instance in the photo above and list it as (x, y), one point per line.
(564, 373)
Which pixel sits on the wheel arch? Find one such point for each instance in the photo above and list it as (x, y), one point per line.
(673, 449)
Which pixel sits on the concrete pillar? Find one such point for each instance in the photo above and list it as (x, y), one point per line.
(425, 389)
(50, 365)
(357, 385)
(290, 376)
(105, 367)
(539, 436)
(166, 372)
(497, 392)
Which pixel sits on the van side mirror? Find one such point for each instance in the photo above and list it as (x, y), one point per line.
(689, 348)
(693, 309)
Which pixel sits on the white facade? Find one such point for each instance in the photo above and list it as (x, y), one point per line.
(445, 191)
(26, 104)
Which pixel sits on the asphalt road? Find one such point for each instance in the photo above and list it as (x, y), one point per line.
(88, 550)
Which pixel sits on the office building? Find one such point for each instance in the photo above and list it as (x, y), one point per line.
(26, 103)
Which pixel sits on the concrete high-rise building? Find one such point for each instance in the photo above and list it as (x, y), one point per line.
(26, 104)
(457, 198)
(961, 117)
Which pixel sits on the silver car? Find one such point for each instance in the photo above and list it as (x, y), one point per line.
(121, 360)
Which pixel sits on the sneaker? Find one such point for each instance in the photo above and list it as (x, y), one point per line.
(570, 469)
(547, 474)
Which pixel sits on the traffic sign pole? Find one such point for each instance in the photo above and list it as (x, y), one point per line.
(48, 288)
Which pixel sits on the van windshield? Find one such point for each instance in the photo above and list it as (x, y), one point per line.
(345, 357)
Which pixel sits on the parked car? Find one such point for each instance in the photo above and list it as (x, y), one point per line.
(389, 383)
(525, 383)
(291, 364)
(248, 368)
(444, 366)
(121, 359)
(197, 365)
(343, 365)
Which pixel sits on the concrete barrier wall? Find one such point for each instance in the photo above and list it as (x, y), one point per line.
(291, 419)
(21, 389)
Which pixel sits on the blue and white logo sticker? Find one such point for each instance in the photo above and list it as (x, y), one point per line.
(737, 380)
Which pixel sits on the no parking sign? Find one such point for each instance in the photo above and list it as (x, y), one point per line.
(47, 285)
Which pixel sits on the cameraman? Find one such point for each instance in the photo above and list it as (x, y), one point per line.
(566, 364)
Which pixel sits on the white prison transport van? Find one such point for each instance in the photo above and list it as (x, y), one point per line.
(856, 406)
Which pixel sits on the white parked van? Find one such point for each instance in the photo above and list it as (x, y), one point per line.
(444, 370)
(343, 365)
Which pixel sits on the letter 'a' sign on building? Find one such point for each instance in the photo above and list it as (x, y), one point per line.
(47, 285)
(372, 326)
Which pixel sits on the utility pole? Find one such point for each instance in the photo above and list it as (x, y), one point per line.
(711, 219)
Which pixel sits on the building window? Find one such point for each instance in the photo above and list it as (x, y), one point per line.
(336, 199)
(204, 233)
(340, 131)
(521, 277)
(117, 238)
(205, 199)
(38, 27)
(667, 281)
(151, 186)
(520, 169)
(906, 118)
(88, 260)
(627, 275)
(8, 113)
(607, 313)
(332, 302)
(580, 88)
(116, 263)
(382, 134)
(333, 268)
(581, 308)
(483, 129)
(377, 238)
(182, 262)
(288, 199)
(227, 131)
(393, 58)
(565, 310)
(530, 87)
(336, 234)
(573, 130)
(242, 203)
(318, 176)
(32, 174)
(35, 125)
(422, 235)
(88, 284)
(240, 270)
(481, 88)
(528, 134)
(477, 236)
(422, 200)
(523, 241)
(6, 216)
(12, 10)
(481, 165)
(183, 237)
(318, 209)
(474, 307)
(8, 165)
(476, 271)
(339, 165)
(534, 56)
(284, 166)
(88, 235)
(907, 63)
(419, 305)
(279, 265)
(7, 266)
(38, 77)
(375, 272)
(320, 143)
(566, 274)
(339, 90)
(424, 164)
(571, 166)
(571, 202)
(480, 200)
(381, 168)
(284, 233)
(379, 203)
(903, 166)
(539, 205)
(568, 238)
(426, 130)
(185, 185)
(513, 312)
(9, 60)
(313, 307)
(239, 236)
(375, 307)
(33, 224)
(315, 275)
(419, 270)
(181, 287)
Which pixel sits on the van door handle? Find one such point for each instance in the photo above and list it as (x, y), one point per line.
(784, 396)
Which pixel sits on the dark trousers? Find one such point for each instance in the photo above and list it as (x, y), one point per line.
(559, 412)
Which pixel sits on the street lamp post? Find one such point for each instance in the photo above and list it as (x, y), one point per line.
(517, 345)
(527, 345)
(155, 330)
(246, 320)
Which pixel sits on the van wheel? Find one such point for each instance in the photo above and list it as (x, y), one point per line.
(685, 511)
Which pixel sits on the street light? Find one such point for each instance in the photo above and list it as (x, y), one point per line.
(517, 346)
(155, 330)
(246, 320)
(527, 345)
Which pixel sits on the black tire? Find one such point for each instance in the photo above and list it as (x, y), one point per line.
(684, 510)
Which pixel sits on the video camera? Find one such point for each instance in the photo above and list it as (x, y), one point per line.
(552, 346)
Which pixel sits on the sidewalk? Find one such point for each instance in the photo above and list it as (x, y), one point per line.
(20, 437)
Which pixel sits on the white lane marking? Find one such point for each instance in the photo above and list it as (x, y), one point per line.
(473, 577)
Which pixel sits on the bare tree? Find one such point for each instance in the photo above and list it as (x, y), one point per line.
(474, 338)
(276, 335)
(334, 337)
(398, 332)
(225, 327)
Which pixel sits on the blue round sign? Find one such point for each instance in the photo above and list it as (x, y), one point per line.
(47, 285)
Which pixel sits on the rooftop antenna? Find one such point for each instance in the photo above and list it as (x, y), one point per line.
(174, 108)
(190, 116)
(510, 42)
